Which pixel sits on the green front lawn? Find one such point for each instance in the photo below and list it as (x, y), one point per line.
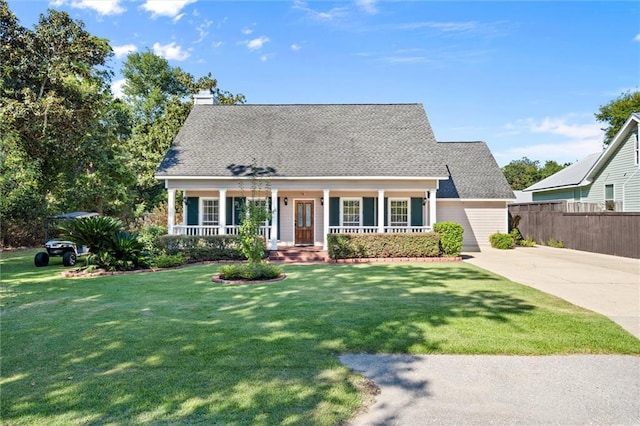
(173, 348)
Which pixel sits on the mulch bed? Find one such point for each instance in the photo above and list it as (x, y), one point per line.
(216, 279)
(398, 259)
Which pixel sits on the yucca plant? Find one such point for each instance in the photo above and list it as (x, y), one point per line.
(127, 248)
(95, 232)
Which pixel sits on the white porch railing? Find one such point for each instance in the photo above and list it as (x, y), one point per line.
(374, 229)
(205, 231)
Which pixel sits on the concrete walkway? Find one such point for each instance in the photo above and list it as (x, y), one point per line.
(609, 285)
(500, 390)
(508, 390)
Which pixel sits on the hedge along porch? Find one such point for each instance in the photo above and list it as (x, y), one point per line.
(373, 168)
(306, 215)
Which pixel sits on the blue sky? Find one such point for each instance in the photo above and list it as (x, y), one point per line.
(525, 77)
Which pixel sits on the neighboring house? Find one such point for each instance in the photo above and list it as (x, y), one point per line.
(329, 169)
(522, 197)
(607, 181)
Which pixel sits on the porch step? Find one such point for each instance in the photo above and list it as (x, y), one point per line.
(298, 254)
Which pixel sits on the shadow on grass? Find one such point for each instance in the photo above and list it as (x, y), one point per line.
(174, 347)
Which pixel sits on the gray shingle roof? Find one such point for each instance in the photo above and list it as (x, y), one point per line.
(473, 171)
(306, 141)
(391, 140)
(572, 175)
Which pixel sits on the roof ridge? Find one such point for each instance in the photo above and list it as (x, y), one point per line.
(317, 104)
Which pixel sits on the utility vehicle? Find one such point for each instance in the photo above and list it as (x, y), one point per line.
(67, 249)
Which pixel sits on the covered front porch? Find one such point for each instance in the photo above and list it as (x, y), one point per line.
(304, 215)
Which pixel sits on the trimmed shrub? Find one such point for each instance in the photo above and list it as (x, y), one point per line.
(249, 271)
(169, 260)
(501, 241)
(200, 249)
(552, 242)
(149, 235)
(527, 242)
(450, 237)
(352, 246)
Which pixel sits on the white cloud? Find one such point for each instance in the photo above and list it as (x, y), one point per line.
(368, 6)
(257, 43)
(203, 30)
(170, 8)
(570, 141)
(637, 37)
(330, 15)
(103, 7)
(559, 126)
(295, 47)
(246, 31)
(116, 88)
(171, 51)
(124, 50)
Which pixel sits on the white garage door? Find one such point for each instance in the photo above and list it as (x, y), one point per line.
(479, 219)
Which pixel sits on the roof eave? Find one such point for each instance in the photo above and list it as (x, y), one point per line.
(394, 178)
(585, 182)
(617, 140)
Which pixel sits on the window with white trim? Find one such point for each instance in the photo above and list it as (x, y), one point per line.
(351, 212)
(636, 146)
(609, 200)
(210, 211)
(399, 212)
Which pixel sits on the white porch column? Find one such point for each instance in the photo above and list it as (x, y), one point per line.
(381, 211)
(325, 219)
(184, 208)
(274, 219)
(222, 214)
(171, 206)
(432, 207)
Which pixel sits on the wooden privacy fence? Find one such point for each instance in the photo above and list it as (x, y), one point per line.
(614, 233)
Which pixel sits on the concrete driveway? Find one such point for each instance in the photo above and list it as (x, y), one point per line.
(523, 390)
(609, 285)
(500, 390)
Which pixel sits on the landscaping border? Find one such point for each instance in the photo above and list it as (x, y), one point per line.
(216, 279)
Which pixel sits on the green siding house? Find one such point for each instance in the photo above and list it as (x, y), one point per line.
(602, 181)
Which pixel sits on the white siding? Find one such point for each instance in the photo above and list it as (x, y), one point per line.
(479, 219)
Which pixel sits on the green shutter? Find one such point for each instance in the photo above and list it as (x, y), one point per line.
(229, 208)
(192, 210)
(368, 211)
(416, 211)
(278, 218)
(237, 209)
(334, 211)
(386, 211)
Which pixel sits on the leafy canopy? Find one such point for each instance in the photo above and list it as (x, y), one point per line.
(617, 112)
(525, 172)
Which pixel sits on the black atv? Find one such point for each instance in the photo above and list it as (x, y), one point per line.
(67, 249)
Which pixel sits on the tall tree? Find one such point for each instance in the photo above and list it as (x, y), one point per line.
(53, 125)
(159, 98)
(616, 113)
(525, 172)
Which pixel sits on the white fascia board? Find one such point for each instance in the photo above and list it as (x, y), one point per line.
(555, 188)
(619, 138)
(462, 200)
(395, 178)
